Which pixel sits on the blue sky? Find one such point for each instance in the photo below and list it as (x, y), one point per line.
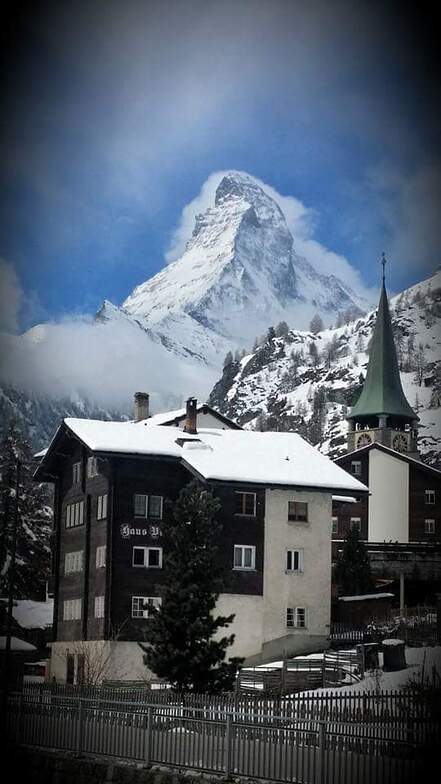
(116, 114)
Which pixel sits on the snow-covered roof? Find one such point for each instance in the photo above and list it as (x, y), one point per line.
(393, 453)
(17, 645)
(365, 596)
(33, 615)
(348, 499)
(226, 455)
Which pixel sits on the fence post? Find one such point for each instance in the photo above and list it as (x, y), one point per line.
(321, 749)
(148, 743)
(227, 749)
(80, 726)
(20, 708)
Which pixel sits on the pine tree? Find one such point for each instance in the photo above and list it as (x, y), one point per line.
(32, 564)
(316, 324)
(180, 644)
(353, 570)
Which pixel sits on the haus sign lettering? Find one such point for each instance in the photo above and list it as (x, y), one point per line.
(128, 531)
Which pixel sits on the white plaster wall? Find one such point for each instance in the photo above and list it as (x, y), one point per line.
(207, 420)
(389, 499)
(120, 660)
(247, 624)
(312, 587)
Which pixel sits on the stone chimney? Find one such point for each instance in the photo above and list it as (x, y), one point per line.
(191, 418)
(141, 406)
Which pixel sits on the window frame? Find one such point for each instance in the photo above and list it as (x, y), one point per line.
(100, 606)
(146, 552)
(429, 494)
(292, 617)
(75, 514)
(300, 560)
(296, 519)
(147, 515)
(146, 600)
(92, 467)
(71, 606)
(244, 494)
(334, 525)
(242, 548)
(73, 562)
(100, 556)
(431, 526)
(355, 522)
(359, 465)
(101, 507)
(76, 472)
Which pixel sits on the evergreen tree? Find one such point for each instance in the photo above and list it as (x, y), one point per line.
(180, 642)
(32, 565)
(316, 324)
(228, 359)
(353, 570)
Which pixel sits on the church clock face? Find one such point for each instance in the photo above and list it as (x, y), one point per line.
(363, 440)
(399, 442)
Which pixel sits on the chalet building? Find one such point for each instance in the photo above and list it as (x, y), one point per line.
(401, 517)
(112, 480)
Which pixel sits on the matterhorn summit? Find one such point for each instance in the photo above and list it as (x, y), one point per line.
(239, 272)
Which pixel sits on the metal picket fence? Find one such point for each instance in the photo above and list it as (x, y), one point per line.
(281, 749)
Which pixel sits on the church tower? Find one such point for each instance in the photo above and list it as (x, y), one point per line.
(382, 413)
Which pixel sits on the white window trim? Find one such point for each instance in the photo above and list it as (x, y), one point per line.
(356, 467)
(429, 526)
(76, 472)
(99, 606)
(298, 522)
(295, 612)
(72, 609)
(242, 548)
(156, 517)
(100, 556)
(73, 562)
(145, 564)
(334, 524)
(147, 515)
(155, 600)
(74, 514)
(355, 522)
(429, 494)
(247, 514)
(300, 560)
(92, 467)
(101, 507)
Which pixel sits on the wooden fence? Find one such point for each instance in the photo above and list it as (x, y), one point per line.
(282, 749)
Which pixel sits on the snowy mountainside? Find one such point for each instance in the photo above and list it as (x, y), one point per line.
(239, 272)
(305, 382)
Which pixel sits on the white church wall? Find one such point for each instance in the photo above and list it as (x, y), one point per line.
(389, 499)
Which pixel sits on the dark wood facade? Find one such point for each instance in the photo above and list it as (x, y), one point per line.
(120, 478)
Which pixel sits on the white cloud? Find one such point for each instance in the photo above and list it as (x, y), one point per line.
(11, 297)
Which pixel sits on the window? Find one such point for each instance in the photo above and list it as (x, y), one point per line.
(244, 556)
(92, 467)
(76, 473)
(148, 506)
(101, 512)
(298, 511)
(429, 496)
(296, 617)
(74, 514)
(356, 523)
(150, 557)
(141, 604)
(73, 562)
(335, 525)
(356, 467)
(294, 560)
(99, 606)
(100, 556)
(246, 504)
(71, 609)
(429, 526)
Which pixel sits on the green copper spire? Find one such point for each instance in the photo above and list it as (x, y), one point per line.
(382, 393)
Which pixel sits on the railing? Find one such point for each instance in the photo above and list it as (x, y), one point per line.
(283, 749)
(339, 705)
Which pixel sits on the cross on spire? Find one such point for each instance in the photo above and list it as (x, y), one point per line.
(383, 263)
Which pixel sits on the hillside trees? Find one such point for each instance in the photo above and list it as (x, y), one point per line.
(182, 645)
(316, 324)
(34, 520)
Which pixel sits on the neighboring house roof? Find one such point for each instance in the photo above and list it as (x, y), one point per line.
(225, 455)
(33, 615)
(382, 391)
(17, 645)
(393, 453)
(174, 417)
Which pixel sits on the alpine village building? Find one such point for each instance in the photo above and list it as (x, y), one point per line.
(400, 519)
(111, 482)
